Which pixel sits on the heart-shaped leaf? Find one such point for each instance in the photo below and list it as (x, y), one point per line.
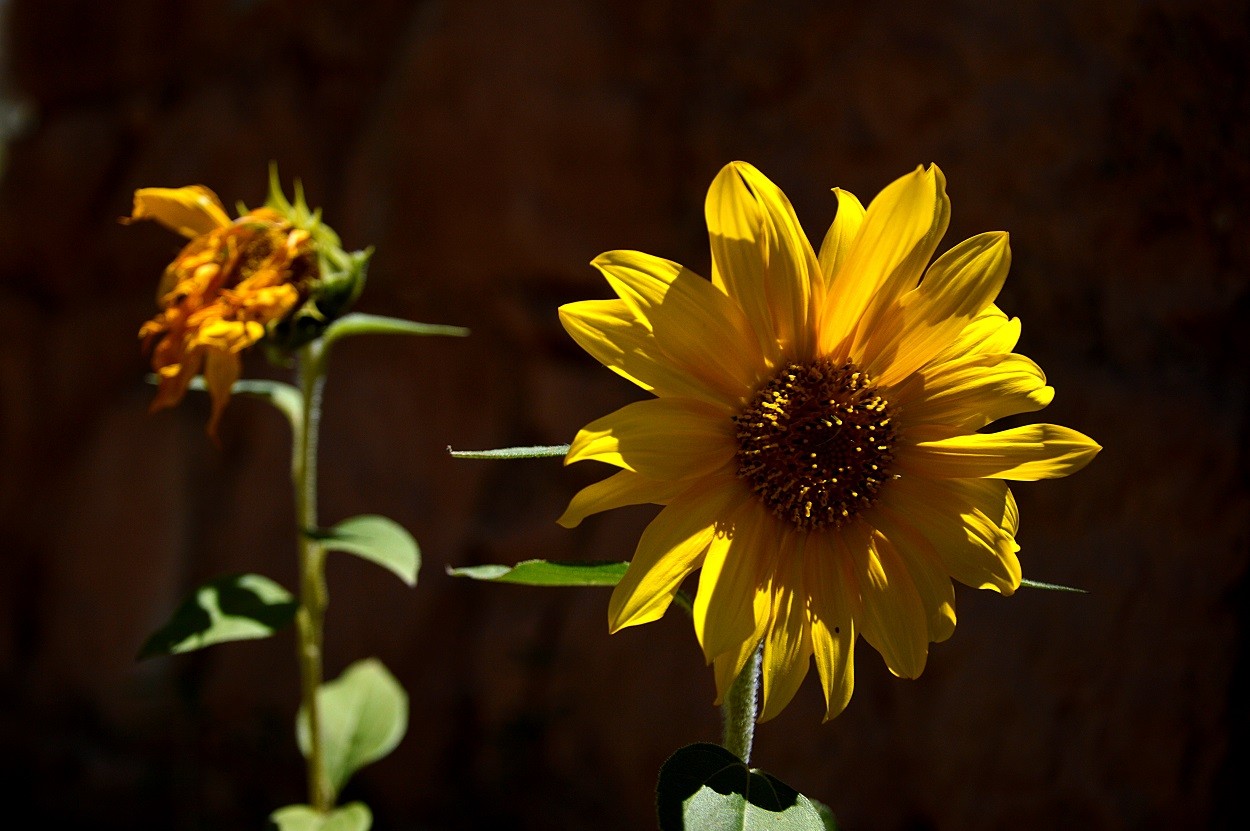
(704, 787)
(378, 540)
(236, 608)
(545, 573)
(354, 816)
(363, 713)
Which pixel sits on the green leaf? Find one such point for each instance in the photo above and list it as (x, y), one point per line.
(826, 814)
(545, 573)
(539, 451)
(236, 608)
(355, 816)
(1054, 587)
(358, 323)
(363, 713)
(378, 540)
(284, 397)
(704, 787)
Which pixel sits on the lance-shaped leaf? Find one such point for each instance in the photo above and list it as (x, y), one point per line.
(363, 714)
(545, 573)
(538, 451)
(704, 787)
(358, 323)
(1054, 587)
(355, 816)
(236, 608)
(378, 540)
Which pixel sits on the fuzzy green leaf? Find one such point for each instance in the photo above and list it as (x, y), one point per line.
(355, 816)
(284, 397)
(540, 451)
(358, 323)
(1054, 587)
(704, 787)
(545, 573)
(236, 608)
(377, 539)
(363, 713)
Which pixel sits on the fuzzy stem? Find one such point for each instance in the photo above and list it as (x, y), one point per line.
(739, 709)
(313, 597)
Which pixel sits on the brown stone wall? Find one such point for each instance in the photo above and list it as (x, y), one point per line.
(490, 150)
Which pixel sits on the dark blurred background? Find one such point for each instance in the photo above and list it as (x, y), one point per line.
(490, 150)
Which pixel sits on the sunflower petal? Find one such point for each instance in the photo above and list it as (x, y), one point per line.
(833, 596)
(900, 232)
(932, 580)
(970, 523)
(671, 547)
(732, 603)
(788, 645)
(613, 335)
(664, 438)
(695, 324)
(1034, 451)
(972, 391)
(620, 489)
(956, 289)
(894, 620)
(989, 332)
(841, 234)
(221, 370)
(189, 211)
(762, 259)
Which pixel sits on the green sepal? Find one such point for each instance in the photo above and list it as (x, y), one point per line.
(284, 397)
(377, 539)
(359, 323)
(541, 451)
(704, 787)
(363, 714)
(546, 573)
(354, 816)
(1054, 587)
(236, 608)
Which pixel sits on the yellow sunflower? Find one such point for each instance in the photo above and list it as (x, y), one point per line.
(815, 438)
(223, 291)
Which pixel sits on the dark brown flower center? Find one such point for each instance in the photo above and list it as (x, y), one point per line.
(816, 442)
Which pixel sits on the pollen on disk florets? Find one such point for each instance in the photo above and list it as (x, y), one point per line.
(815, 444)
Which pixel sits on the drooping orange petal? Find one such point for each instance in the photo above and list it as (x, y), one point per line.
(190, 211)
(221, 370)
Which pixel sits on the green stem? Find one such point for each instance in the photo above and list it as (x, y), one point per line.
(312, 582)
(739, 708)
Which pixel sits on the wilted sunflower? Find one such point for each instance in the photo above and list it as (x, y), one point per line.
(235, 282)
(815, 437)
